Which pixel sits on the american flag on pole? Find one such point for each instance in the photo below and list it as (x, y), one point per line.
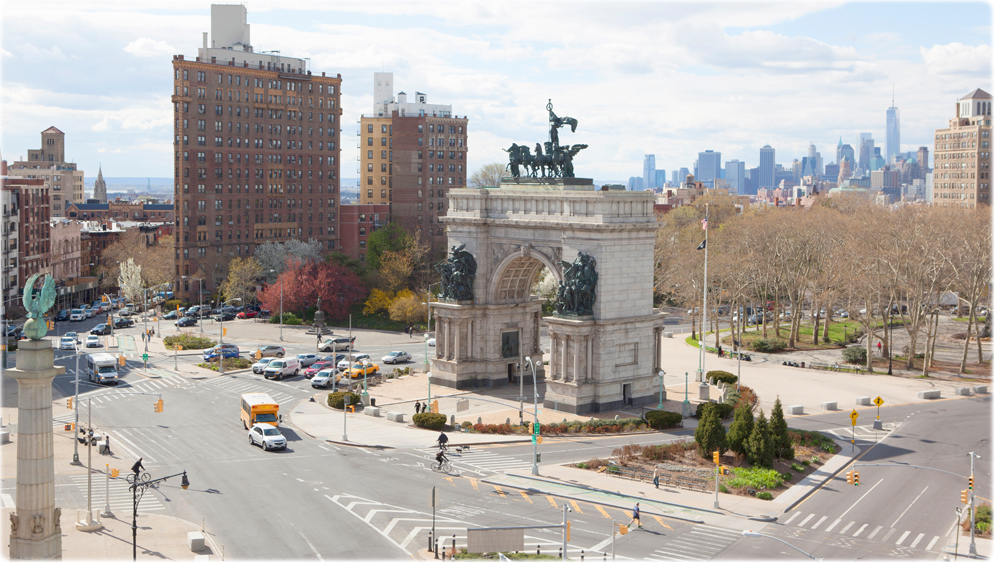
(704, 224)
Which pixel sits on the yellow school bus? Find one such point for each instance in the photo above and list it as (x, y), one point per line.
(258, 407)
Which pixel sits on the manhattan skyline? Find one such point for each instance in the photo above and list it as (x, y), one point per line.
(670, 79)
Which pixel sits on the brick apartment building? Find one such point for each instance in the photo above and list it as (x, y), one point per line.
(357, 222)
(121, 211)
(256, 152)
(48, 163)
(962, 156)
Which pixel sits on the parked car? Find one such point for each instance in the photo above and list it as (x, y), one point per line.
(358, 370)
(259, 366)
(101, 330)
(346, 362)
(267, 437)
(126, 311)
(225, 316)
(397, 357)
(62, 316)
(307, 359)
(337, 344)
(72, 335)
(334, 359)
(247, 314)
(77, 315)
(186, 321)
(280, 368)
(325, 377)
(319, 366)
(431, 342)
(171, 315)
(90, 312)
(123, 322)
(228, 350)
(270, 351)
(67, 342)
(93, 341)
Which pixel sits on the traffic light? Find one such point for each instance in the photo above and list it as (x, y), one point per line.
(964, 496)
(69, 403)
(158, 406)
(224, 331)
(568, 524)
(717, 457)
(855, 478)
(849, 478)
(122, 361)
(971, 482)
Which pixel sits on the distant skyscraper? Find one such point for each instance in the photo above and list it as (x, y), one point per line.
(865, 151)
(735, 175)
(635, 183)
(674, 179)
(846, 151)
(816, 156)
(660, 178)
(649, 172)
(767, 167)
(682, 176)
(100, 187)
(708, 167)
(893, 131)
(923, 159)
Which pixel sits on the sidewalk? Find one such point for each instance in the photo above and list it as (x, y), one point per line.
(160, 537)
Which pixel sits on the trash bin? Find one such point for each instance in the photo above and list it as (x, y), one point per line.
(372, 401)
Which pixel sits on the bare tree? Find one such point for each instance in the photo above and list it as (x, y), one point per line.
(970, 259)
(489, 175)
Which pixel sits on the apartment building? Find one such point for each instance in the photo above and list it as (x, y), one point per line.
(962, 154)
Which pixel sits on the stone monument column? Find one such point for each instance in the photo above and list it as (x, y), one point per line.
(35, 530)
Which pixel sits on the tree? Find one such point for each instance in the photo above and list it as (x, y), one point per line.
(488, 176)
(155, 260)
(389, 237)
(243, 274)
(274, 255)
(741, 428)
(759, 448)
(303, 283)
(378, 301)
(710, 434)
(129, 279)
(407, 308)
(779, 436)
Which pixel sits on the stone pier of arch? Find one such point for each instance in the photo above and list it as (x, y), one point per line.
(605, 361)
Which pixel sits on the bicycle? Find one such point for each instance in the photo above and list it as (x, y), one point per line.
(444, 466)
(442, 446)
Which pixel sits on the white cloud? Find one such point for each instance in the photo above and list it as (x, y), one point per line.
(145, 47)
(957, 58)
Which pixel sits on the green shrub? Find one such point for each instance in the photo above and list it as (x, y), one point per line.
(337, 399)
(581, 465)
(171, 304)
(722, 376)
(289, 319)
(983, 526)
(188, 342)
(854, 355)
(723, 488)
(759, 478)
(466, 424)
(428, 420)
(769, 345)
(764, 495)
(812, 439)
(806, 462)
(661, 419)
(787, 476)
(594, 426)
(230, 364)
(797, 467)
(725, 410)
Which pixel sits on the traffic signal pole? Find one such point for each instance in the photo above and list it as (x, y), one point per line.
(973, 507)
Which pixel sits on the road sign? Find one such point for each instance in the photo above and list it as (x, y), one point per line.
(144, 357)
(878, 401)
(853, 416)
(536, 428)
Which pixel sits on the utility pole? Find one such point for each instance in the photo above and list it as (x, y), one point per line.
(973, 506)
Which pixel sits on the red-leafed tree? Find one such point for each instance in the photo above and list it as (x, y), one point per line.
(302, 283)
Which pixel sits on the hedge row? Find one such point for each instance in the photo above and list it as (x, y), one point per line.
(723, 376)
(429, 420)
(661, 419)
(337, 399)
(725, 410)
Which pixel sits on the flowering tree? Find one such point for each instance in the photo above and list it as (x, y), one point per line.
(304, 282)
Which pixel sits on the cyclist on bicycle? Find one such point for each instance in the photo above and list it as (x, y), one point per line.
(443, 441)
(440, 457)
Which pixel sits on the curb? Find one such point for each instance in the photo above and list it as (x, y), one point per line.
(815, 486)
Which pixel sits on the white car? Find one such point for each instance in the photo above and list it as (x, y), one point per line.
(345, 363)
(77, 315)
(89, 311)
(67, 342)
(396, 357)
(266, 436)
(431, 342)
(259, 366)
(325, 377)
(93, 341)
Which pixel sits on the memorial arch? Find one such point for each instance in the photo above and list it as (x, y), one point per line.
(605, 359)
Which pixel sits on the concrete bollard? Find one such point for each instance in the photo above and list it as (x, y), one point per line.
(929, 394)
(964, 391)
(980, 389)
(452, 420)
(829, 406)
(864, 401)
(703, 393)
(195, 540)
(372, 411)
(795, 410)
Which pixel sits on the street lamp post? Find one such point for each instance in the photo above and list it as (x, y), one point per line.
(686, 396)
(973, 506)
(531, 366)
(662, 373)
(754, 535)
(281, 303)
(200, 300)
(75, 425)
(140, 482)
(890, 342)
(220, 359)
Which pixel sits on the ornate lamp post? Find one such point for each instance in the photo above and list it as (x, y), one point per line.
(140, 482)
(531, 367)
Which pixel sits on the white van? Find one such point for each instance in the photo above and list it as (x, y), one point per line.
(101, 368)
(280, 368)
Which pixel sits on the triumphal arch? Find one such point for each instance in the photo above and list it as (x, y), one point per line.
(597, 243)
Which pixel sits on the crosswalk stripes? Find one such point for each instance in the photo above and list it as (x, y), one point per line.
(481, 459)
(703, 542)
(120, 494)
(867, 531)
(863, 432)
(241, 386)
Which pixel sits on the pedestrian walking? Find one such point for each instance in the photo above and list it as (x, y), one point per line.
(144, 335)
(721, 352)
(655, 477)
(879, 346)
(417, 407)
(635, 516)
(410, 331)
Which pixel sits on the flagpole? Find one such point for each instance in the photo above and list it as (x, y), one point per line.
(704, 320)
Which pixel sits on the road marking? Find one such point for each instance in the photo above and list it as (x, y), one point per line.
(875, 531)
(904, 536)
(601, 509)
(861, 529)
(888, 534)
(499, 491)
(476, 486)
(314, 550)
(932, 542)
(787, 522)
(909, 507)
(917, 540)
(523, 494)
(806, 519)
(133, 449)
(843, 530)
(820, 521)
(449, 478)
(832, 526)
(576, 507)
(860, 499)
(552, 501)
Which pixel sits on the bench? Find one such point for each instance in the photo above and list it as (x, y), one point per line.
(630, 473)
(929, 394)
(690, 483)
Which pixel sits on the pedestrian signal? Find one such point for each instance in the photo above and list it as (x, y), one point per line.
(849, 478)
(114, 472)
(158, 406)
(964, 496)
(623, 529)
(224, 332)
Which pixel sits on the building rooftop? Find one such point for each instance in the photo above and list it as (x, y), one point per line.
(977, 94)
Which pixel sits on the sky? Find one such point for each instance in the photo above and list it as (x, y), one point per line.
(665, 78)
